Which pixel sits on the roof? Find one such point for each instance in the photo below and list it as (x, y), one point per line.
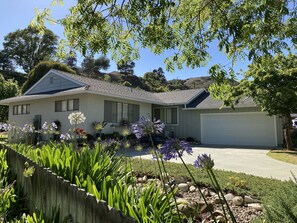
(111, 89)
(41, 96)
(210, 103)
(192, 99)
(179, 97)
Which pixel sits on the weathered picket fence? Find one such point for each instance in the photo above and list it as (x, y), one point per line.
(46, 192)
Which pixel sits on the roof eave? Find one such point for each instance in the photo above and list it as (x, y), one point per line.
(195, 96)
(218, 108)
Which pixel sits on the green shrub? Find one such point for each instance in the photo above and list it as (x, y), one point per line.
(282, 205)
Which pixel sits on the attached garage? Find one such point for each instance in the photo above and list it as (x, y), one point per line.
(242, 129)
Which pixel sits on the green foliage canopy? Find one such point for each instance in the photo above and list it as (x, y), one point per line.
(126, 67)
(27, 47)
(5, 63)
(40, 70)
(8, 88)
(246, 28)
(71, 60)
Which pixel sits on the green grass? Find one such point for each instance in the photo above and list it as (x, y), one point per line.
(254, 185)
(284, 155)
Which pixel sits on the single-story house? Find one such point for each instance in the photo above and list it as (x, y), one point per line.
(187, 113)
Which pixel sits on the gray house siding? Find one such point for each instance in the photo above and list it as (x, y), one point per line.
(52, 82)
(189, 124)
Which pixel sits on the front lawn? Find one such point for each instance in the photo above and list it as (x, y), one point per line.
(284, 155)
(253, 185)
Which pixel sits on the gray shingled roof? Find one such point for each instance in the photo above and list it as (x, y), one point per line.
(112, 89)
(178, 97)
(211, 103)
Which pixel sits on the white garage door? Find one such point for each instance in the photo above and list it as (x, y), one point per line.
(246, 129)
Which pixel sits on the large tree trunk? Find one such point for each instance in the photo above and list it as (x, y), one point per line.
(288, 127)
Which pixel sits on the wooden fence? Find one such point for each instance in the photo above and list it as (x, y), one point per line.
(46, 191)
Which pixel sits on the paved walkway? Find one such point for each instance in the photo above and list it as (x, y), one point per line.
(247, 160)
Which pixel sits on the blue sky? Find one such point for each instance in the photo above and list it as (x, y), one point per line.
(17, 14)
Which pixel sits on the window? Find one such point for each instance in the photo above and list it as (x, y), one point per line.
(116, 112)
(67, 105)
(51, 80)
(166, 115)
(21, 109)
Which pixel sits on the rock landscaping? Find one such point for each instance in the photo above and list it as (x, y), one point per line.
(245, 207)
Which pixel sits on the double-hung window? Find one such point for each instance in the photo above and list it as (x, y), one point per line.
(67, 105)
(117, 112)
(21, 109)
(167, 115)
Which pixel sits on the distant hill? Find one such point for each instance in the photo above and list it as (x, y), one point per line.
(175, 84)
(19, 77)
(199, 82)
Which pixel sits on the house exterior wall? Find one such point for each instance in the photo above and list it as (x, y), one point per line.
(57, 83)
(190, 122)
(91, 105)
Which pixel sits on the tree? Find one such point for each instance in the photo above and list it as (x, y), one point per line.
(41, 69)
(8, 88)
(126, 67)
(271, 82)
(71, 60)
(102, 63)
(156, 80)
(247, 28)
(93, 66)
(87, 65)
(160, 74)
(28, 47)
(5, 63)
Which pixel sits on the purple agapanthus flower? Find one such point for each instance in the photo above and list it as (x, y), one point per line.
(204, 161)
(49, 127)
(65, 137)
(173, 148)
(145, 127)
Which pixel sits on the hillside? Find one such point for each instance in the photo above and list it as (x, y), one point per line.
(175, 84)
(199, 82)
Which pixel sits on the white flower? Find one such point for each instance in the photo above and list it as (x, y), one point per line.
(76, 118)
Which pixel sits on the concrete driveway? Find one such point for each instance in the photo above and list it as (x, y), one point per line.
(246, 160)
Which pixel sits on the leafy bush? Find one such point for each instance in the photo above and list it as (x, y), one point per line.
(110, 146)
(282, 205)
(6, 190)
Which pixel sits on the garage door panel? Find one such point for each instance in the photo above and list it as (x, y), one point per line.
(250, 129)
